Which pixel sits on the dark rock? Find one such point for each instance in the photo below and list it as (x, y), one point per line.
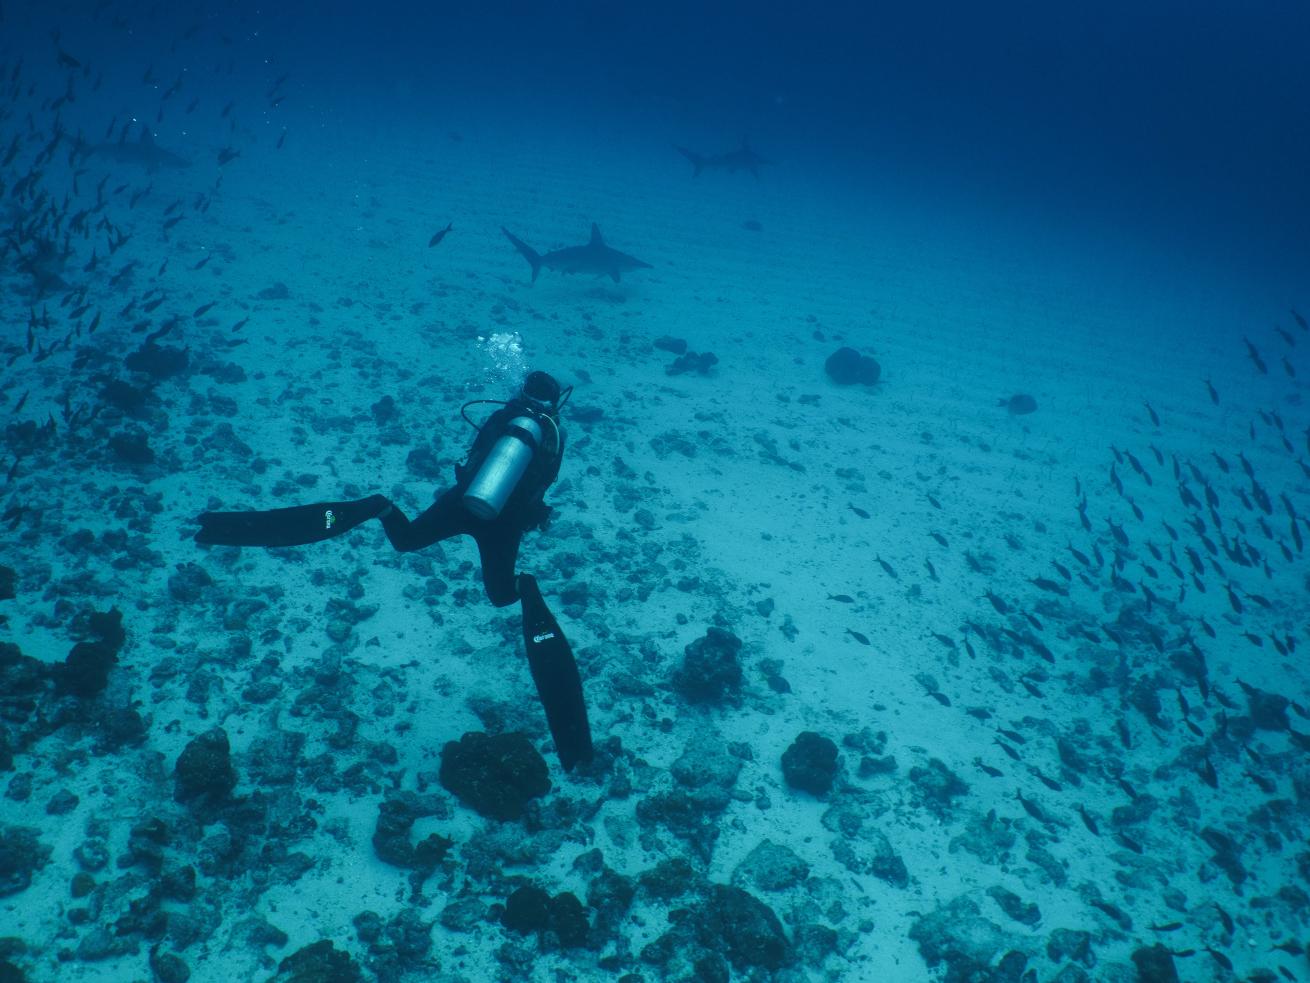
(711, 668)
(527, 910)
(959, 937)
(1268, 710)
(396, 815)
(384, 411)
(85, 672)
(319, 962)
(168, 967)
(21, 855)
(1019, 405)
(771, 867)
(278, 291)
(423, 462)
(610, 895)
(667, 343)
(668, 879)
(1025, 913)
(158, 361)
(495, 775)
(810, 764)
(568, 920)
(744, 928)
(1155, 964)
(132, 448)
(120, 727)
(368, 927)
(691, 362)
(937, 786)
(1069, 944)
(204, 774)
(188, 582)
(846, 367)
(61, 803)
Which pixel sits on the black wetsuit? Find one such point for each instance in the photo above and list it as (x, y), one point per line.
(498, 539)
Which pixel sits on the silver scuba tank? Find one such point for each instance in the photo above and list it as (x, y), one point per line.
(504, 465)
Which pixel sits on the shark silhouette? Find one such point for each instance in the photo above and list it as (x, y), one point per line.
(142, 153)
(595, 257)
(744, 159)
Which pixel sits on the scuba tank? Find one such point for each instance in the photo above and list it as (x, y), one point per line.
(502, 468)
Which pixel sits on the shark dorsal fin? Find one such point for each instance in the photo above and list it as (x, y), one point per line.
(596, 239)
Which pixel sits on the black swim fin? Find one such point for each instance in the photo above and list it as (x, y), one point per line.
(556, 674)
(296, 526)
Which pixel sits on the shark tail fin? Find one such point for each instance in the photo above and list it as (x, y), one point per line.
(526, 251)
(697, 161)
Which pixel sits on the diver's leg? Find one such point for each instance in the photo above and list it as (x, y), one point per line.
(443, 519)
(296, 526)
(498, 547)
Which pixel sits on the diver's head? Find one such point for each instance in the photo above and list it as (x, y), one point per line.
(541, 391)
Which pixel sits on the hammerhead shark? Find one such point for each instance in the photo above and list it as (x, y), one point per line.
(143, 152)
(594, 257)
(744, 159)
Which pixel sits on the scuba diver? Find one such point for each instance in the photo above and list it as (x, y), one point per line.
(497, 497)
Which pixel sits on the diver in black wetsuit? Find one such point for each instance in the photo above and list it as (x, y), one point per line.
(495, 508)
(497, 497)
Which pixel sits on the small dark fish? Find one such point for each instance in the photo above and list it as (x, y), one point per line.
(439, 235)
(1123, 839)
(997, 603)
(858, 511)
(887, 568)
(1050, 783)
(1032, 808)
(941, 540)
(201, 264)
(1224, 917)
(941, 698)
(945, 640)
(1013, 754)
(1266, 785)
(1088, 820)
(841, 598)
(1254, 355)
(22, 401)
(1167, 927)
(281, 139)
(1220, 958)
(988, 769)
(1114, 911)
(227, 155)
(1154, 418)
(1214, 396)
(204, 309)
(1209, 775)
(1020, 405)
(1300, 321)
(859, 637)
(1050, 586)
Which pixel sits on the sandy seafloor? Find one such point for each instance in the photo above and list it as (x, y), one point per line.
(748, 475)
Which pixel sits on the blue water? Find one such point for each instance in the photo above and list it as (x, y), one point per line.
(996, 619)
